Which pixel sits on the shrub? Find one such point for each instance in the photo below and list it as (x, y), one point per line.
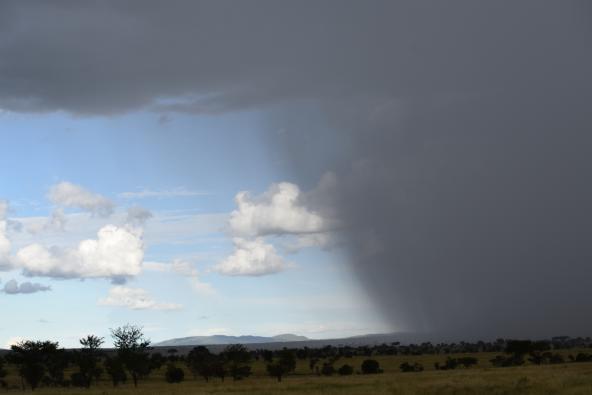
(77, 379)
(346, 370)
(407, 367)
(581, 357)
(174, 374)
(327, 369)
(502, 361)
(453, 363)
(371, 366)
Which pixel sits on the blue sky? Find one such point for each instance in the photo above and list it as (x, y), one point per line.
(185, 171)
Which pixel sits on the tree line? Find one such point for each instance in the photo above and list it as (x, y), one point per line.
(44, 363)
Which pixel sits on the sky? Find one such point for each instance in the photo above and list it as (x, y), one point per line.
(169, 189)
(328, 168)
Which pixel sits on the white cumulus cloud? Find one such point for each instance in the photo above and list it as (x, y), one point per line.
(117, 252)
(283, 213)
(66, 194)
(135, 299)
(251, 258)
(278, 211)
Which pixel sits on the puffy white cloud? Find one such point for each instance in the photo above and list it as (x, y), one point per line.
(66, 194)
(5, 245)
(135, 299)
(278, 211)
(12, 287)
(117, 252)
(283, 213)
(251, 258)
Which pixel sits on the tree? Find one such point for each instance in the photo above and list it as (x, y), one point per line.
(88, 360)
(238, 359)
(173, 357)
(174, 374)
(115, 370)
(267, 355)
(32, 358)
(285, 364)
(312, 364)
(156, 361)
(132, 349)
(519, 347)
(371, 366)
(346, 370)
(218, 367)
(200, 361)
(327, 369)
(3, 373)
(56, 361)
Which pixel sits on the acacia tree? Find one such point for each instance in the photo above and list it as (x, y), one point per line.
(33, 358)
(238, 359)
(115, 370)
(88, 359)
(285, 364)
(200, 361)
(132, 350)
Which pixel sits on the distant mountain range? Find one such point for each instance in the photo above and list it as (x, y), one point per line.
(223, 339)
(217, 343)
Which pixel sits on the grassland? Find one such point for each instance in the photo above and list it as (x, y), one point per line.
(569, 378)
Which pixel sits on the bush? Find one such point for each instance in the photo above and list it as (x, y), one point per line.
(502, 361)
(538, 358)
(407, 367)
(174, 374)
(77, 379)
(327, 369)
(346, 370)
(581, 357)
(371, 366)
(453, 363)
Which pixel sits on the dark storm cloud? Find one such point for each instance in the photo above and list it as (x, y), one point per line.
(209, 56)
(460, 131)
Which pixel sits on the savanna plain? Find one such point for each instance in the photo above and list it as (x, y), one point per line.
(567, 378)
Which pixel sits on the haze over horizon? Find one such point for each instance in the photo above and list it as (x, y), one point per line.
(325, 168)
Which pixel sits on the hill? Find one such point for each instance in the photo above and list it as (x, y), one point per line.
(223, 339)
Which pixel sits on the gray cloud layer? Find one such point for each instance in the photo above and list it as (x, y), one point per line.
(460, 131)
(12, 287)
(108, 56)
